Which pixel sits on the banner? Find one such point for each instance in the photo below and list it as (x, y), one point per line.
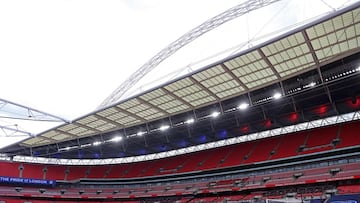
(26, 181)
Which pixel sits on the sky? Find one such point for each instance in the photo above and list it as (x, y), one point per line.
(65, 57)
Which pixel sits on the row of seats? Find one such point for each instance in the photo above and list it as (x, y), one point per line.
(350, 171)
(289, 145)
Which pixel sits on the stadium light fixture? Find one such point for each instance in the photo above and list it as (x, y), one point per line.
(190, 121)
(358, 69)
(215, 114)
(140, 133)
(67, 148)
(96, 143)
(277, 95)
(243, 106)
(116, 139)
(164, 127)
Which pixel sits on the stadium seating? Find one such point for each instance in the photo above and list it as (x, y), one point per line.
(289, 145)
(55, 172)
(262, 150)
(98, 171)
(284, 146)
(320, 139)
(10, 169)
(349, 135)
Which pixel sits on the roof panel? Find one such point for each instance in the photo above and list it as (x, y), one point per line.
(152, 116)
(96, 123)
(261, 81)
(107, 112)
(106, 127)
(129, 104)
(33, 141)
(67, 127)
(206, 74)
(87, 119)
(85, 133)
(50, 134)
(61, 137)
(77, 130)
(153, 94)
(179, 84)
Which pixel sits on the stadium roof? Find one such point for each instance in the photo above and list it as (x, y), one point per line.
(306, 48)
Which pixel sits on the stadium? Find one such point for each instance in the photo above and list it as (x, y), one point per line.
(276, 122)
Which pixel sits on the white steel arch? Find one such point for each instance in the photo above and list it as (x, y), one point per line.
(185, 39)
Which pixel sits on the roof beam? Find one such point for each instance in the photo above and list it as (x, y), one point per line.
(176, 97)
(204, 88)
(311, 48)
(234, 77)
(152, 106)
(269, 64)
(129, 114)
(317, 63)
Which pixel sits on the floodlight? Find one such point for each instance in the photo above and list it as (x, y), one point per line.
(96, 143)
(215, 114)
(189, 121)
(243, 106)
(312, 84)
(164, 127)
(116, 139)
(277, 95)
(358, 69)
(140, 133)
